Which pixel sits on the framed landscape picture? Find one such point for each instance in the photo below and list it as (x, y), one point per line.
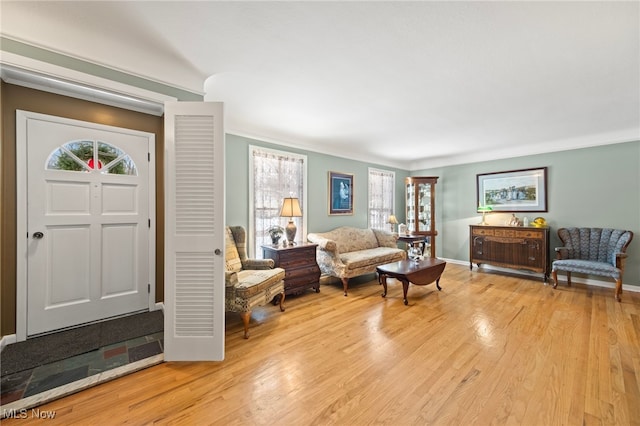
(513, 191)
(340, 193)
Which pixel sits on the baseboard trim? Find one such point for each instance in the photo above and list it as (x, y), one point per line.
(8, 340)
(574, 279)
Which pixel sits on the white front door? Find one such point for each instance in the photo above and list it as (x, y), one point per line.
(88, 222)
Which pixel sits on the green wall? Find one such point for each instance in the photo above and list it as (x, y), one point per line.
(318, 167)
(591, 187)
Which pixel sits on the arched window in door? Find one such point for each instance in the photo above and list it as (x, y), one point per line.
(91, 156)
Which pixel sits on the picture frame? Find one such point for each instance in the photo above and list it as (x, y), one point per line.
(522, 190)
(340, 193)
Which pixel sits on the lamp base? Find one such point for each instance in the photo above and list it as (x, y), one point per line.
(484, 222)
(291, 232)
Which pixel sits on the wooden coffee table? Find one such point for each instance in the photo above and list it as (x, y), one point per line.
(421, 272)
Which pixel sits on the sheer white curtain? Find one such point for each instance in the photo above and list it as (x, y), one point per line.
(381, 197)
(274, 176)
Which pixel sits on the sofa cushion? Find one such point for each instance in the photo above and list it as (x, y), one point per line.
(353, 239)
(386, 238)
(369, 257)
(587, 267)
(251, 282)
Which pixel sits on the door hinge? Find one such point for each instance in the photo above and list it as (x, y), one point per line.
(149, 223)
(148, 156)
(148, 288)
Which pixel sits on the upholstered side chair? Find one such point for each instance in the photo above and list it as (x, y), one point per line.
(249, 282)
(592, 251)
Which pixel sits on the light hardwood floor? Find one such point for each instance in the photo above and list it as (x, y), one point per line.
(490, 348)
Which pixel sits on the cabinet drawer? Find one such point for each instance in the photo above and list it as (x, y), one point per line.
(529, 234)
(482, 231)
(310, 273)
(301, 252)
(505, 233)
(297, 261)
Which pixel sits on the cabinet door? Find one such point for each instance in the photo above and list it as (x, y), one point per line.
(425, 214)
(477, 248)
(410, 195)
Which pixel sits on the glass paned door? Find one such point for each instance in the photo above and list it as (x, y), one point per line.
(424, 205)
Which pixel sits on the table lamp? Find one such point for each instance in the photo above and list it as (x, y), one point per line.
(290, 208)
(393, 221)
(484, 210)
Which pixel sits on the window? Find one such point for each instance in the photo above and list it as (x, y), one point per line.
(381, 197)
(88, 156)
(274, 175)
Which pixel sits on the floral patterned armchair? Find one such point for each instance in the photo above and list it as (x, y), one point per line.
(592, 251)
(248, 282)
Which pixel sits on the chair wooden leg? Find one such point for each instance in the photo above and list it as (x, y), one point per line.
(345, 285)
(246, 316)
(618, 290)
(282, 302)
(554, 274)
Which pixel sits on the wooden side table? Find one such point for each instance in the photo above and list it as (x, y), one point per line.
(299, 263)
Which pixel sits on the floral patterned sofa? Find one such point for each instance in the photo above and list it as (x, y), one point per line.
(592, 251)
(348, 252)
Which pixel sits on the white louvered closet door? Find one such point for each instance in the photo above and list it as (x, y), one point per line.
(194, 232)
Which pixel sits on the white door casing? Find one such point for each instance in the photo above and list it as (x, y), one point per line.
(95, 257)
(194, 232)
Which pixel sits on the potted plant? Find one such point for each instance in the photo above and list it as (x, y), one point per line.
(275, 232)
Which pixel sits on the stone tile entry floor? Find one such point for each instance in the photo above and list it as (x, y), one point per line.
(32, 382)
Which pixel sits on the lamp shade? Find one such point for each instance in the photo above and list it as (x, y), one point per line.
(392, 220)
(290, 208)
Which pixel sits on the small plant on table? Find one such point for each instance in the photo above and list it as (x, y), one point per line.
(275, 232)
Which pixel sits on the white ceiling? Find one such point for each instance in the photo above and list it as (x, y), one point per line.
(407, 84)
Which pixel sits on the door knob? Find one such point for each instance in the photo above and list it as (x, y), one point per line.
(218, 252)
(38, 235)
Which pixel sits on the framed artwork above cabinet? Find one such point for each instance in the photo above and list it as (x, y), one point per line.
(513, 191)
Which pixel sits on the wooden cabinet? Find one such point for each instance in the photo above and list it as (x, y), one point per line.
(420, 196)
(299, 264)
(510, 247)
